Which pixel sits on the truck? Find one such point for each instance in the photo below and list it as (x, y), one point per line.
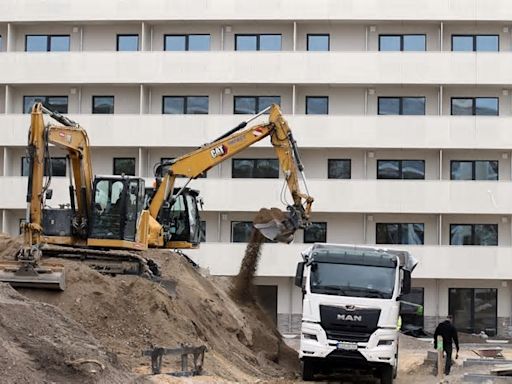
(351, 308)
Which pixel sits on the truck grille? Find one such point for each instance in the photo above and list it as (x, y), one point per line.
(354, 324)
(347, 336)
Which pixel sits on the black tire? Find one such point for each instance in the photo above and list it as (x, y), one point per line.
(386, 375)
(308, 370)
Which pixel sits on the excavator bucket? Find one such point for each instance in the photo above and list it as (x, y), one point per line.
(276, 225)
(27, 275)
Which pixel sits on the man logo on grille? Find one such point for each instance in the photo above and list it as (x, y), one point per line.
(349, 317)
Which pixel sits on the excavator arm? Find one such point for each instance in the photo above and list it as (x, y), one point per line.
(195, 163)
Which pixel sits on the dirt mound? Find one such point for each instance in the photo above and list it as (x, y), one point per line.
(128, 314)
(40, 344)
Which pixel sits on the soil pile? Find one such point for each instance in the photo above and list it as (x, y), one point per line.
(40, 344)
(129, 314)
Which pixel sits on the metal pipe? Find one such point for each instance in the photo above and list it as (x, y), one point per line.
(242, 125)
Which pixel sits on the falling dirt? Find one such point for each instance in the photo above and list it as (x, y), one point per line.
(128, 314)
(243, 287)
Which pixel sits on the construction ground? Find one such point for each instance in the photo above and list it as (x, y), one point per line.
(95, 331)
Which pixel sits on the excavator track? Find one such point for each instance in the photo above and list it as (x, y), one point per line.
(110, 262)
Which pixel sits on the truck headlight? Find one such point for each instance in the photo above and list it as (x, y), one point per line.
(309, 336)
(385, 342)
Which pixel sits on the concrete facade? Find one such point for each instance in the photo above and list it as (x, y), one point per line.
(353, 75)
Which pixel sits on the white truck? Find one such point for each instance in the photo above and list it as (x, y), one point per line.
(351, 304)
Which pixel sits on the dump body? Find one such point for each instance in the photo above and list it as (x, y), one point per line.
(351, 308)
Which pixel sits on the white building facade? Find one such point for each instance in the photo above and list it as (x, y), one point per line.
(402, 112)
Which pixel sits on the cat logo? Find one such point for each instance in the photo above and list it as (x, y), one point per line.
(349, 317)
(221, 150)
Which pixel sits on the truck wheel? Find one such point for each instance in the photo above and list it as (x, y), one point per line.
(386, 375)
(308, 370)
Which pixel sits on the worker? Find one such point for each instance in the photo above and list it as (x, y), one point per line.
(448, 332)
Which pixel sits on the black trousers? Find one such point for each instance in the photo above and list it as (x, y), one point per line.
(448, 349)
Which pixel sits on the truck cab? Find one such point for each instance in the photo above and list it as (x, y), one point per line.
(351, 304)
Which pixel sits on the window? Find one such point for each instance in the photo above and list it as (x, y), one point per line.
(474, 169)
(402, 43)
(57, 164)
(474, 309)
(317, 105)
(185, 105)
(255, 169)
(315, 233)
(127, 42)
(55, 103)
(473, 234)
(202, 238)
(471, 106)
(474, 43)
(401, 169)
(401, 105)
(103, 105)
(339, 168)
(241, 231)
(46, 43)
(187, 42)
(1, 45)
(250, 105)
(318, 42)
(124, 166)
(258, 42)
(399, 233)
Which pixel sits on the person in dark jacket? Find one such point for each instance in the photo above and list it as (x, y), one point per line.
(448, 332)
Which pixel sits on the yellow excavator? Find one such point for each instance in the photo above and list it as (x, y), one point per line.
(111, 218)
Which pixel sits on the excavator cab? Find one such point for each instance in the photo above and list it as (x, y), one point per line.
(180, 219)
(116, 207)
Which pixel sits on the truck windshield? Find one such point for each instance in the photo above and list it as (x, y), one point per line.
(352, 280)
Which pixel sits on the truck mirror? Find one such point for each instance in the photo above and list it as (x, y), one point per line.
(406, 283)
(299, 274)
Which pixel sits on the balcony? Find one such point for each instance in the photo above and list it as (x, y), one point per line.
(228, 67)
(331, 196)
(435, 262)
(333, 131)
(97, 10)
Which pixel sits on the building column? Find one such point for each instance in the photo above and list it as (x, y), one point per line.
(11, 38)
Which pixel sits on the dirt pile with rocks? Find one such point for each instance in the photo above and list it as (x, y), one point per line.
(39, 343)
(128, 314)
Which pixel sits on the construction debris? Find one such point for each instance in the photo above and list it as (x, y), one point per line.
(489, 353)
(197, 353)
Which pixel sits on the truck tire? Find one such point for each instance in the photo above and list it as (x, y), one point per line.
(308, 370)
(386, 375)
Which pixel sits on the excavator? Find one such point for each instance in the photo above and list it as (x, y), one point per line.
(110, 219)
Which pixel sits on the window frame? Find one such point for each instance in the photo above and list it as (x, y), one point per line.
(473, 106)
(187, 43)
(258, 38)
(399, 232)
(257, 102)
(254, 160)
(401, 36)
(323, 223)
(24, 158)
(474, 37)
(185, 104)
(48, 41)
(118, 35)
(316, 97)
(45, 103)
(473, 170)
(231, 240)
(329, 161)
(318, 35)
(472, 306)
(400, 169)
(100, 113)
(401, 105)
(473, 225)
(124, 158)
